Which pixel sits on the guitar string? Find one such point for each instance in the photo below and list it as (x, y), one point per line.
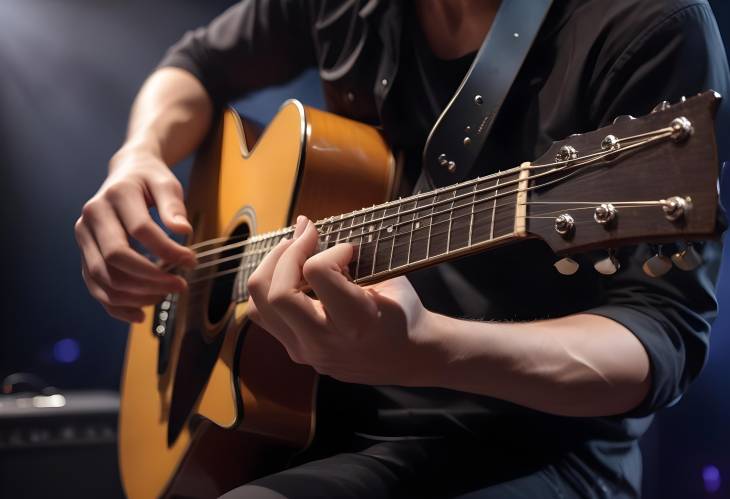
(582, 161)
(349, 237)
(416, 209)
(254, 263)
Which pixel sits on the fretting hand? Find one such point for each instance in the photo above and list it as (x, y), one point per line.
(374, 335)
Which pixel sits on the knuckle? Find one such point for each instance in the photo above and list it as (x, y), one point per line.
(116, 254)
(313, 267)
(277, 298)
(142, 230)
(90, 208)
(255, 286)
(96, 272)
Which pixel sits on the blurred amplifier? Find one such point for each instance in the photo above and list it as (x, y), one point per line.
(61, 445)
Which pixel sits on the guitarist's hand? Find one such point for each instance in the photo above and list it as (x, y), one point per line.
(118, 276)
(359, 335)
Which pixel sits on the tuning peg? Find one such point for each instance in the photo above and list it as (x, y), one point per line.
(609, 265)
(662, 106)
(622, 118)
(657, 265)
(688, 258)
(566, 266)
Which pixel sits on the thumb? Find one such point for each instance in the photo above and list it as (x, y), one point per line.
(168, 197)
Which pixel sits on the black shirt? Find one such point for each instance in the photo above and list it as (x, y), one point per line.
(592, 61)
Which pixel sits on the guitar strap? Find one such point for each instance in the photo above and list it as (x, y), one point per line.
(462, 128)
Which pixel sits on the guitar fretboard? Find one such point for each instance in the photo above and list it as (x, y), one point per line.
(401, 235)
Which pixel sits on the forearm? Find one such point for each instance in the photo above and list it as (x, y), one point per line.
(580, 365)
(170, 116)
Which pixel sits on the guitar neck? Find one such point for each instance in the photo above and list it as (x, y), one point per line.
(394, 238)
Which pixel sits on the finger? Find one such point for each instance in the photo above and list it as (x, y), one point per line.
(126, 314)
(260, 309)
(168, 197)
(295, 307)
(347, 304)
(130, 205)
(144, 277)
(260, 281)
(111, 297)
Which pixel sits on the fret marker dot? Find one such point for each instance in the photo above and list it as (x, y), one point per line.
(390, 229)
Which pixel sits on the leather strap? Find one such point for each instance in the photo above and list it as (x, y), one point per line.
(463, 127)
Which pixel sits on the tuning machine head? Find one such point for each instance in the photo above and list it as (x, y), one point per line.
(609, 265)
(688, 259)
(662, 106)
(658, 264)
(623, 118)
(566, 266)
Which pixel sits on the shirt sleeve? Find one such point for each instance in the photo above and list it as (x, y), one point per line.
(252, 45)
(670, 315)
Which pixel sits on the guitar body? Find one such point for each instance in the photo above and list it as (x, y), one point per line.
(215, 401)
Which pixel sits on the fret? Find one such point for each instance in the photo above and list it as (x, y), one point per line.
(461, 213)
(451, 221)
(494, 208)
(440, 225)
(403, 236)
(385, 238)
(326, 236)
(420, 237)
(357, 241)
(482, 225)
(503, 211)
(471, 214)
(394, 234)
(367, 247)
(347, 226)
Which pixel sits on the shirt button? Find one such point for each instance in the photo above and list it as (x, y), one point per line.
(350, 97)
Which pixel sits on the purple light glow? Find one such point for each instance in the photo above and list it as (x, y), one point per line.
(711, 477)
(66, 351)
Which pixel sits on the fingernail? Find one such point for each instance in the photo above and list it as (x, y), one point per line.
(301, 226)
(181, 219)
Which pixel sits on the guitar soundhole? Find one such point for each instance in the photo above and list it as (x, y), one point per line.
(222, 289)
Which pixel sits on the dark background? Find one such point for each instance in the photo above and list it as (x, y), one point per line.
(68, 73)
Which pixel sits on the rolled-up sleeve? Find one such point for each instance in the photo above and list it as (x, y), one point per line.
(670, 315)
(252, 45)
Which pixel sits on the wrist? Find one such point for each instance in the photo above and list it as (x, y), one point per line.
(135, 150)
(433, 332)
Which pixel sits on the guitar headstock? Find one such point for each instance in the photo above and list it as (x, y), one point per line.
(650, 179)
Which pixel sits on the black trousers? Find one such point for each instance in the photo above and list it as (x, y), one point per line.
(420, 468)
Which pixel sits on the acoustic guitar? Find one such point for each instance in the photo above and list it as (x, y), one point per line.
(210, 401)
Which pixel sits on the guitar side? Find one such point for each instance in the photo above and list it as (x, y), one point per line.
(254, 400)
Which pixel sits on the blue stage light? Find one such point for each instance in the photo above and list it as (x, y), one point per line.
(711, 477)
(66, 351)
